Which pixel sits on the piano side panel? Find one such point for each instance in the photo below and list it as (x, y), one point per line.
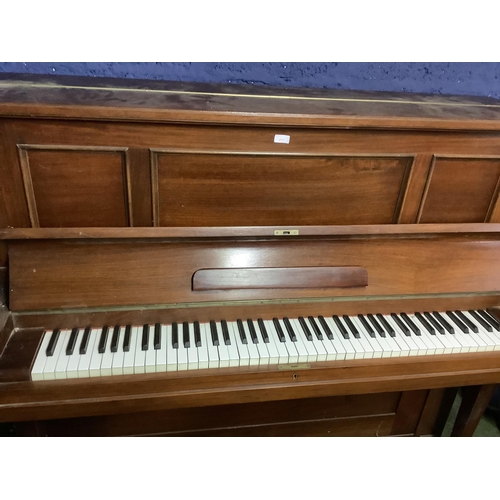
(63, 274)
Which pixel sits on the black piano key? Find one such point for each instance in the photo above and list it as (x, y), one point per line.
(175, 335)
(315, 327)
(445, 323)
(213, 331)
(490, 319)
(426, 324)
(289, 329)
(457, 322)
(341, 327)
(186, 341)
(85, 341)
(279, 330)
(401, 325)
(263, 330)
(101, 348)
(304, 326)
(52, 342)
(481, 321)
(241, 330)
(126, 338)
(413, 327)
(225, 332)
(72, 342)
(351, 326)
(467, 321)
(157, 337)
(386, 326)
(434, 322)
(115, 339)
(366, 325)
(375, 324)
(145, 338)
(325, 327)
(197, 334)
(253, 333)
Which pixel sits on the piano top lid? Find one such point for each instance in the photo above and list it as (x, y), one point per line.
(47, 96)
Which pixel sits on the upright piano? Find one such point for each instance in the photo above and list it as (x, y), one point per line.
(218, 260)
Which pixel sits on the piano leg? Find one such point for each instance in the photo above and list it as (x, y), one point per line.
(449, 397)
(475, 400)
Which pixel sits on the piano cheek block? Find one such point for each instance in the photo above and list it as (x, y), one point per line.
(279, 277)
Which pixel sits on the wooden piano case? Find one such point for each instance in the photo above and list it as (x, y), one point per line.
(127, 202)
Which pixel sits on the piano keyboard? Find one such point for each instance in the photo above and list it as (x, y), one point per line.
(120, 350)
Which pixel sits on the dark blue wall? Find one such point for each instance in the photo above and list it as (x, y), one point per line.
(437, 78)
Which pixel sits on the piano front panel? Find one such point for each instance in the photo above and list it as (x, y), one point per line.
(69, 274)
(189, 175)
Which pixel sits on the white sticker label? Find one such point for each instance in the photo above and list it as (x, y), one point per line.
(282, 139)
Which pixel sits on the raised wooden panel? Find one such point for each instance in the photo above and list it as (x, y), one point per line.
(71, 275)
(460, 190)
(75, 187)
(227, 189)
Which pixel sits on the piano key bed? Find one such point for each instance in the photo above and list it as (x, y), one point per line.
(127, 349)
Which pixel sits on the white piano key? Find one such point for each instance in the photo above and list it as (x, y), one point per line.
(51, 363)
(203, 350)
(41, 357)
(299, 343)
(74, 359)
(119, 355)
(465, 339)
(271, 345)
(283, 358)
(140, 355)
(222, 348)
(107, 356)
(192, 350)
(129, 356)
(213, 352)
(182, 353)
(95, 362)
(150, 358)
(401, 347)
(85, 359)
(456, 346)
(171, 352)
(161, 353)
(232, 349)
(234, 335)
(311, 354)
(63, 360)
(430, 339)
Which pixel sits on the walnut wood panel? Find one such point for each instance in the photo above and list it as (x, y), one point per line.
(283, 277)
(75, 187)
(220, 418)
(460, 190)
(254, 190)
(69, 274)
